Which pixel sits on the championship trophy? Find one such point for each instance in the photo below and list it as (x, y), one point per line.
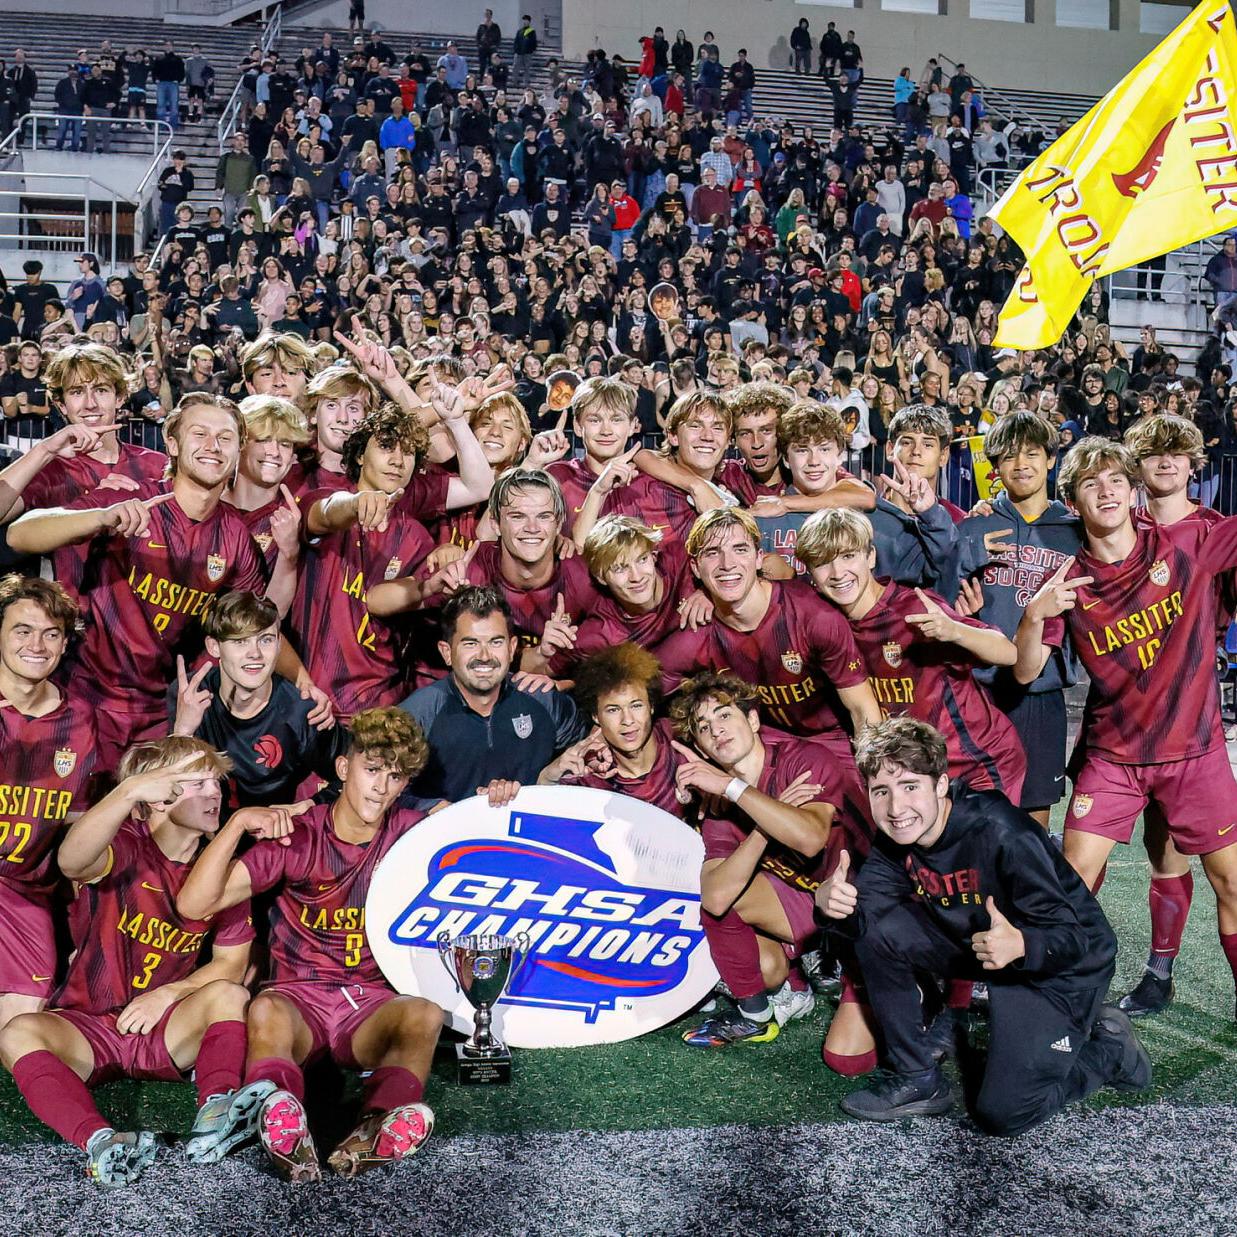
(481, 967)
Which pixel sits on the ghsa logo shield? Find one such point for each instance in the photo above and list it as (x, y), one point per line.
(595, 940)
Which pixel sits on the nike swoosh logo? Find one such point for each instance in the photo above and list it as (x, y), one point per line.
(323, 887)
(156, 545)
(1226, 829)
(40, 979)
(1091, 605)
(152, 888)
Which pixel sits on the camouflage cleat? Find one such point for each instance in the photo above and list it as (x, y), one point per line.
(114, 1160)
(383, 1138)
(226, 1121)
(284, 1130)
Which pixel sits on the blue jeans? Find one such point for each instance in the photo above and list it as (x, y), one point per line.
(167, 216)
(617, 237)
(72, 129)
(167, 106)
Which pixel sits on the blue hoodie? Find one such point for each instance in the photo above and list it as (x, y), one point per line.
(1042, 546)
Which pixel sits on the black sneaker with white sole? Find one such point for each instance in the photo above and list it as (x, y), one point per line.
(1152, 995)
(891, 1097)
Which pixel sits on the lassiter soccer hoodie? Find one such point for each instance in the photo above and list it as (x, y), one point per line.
(990, 848)
(1010, 581)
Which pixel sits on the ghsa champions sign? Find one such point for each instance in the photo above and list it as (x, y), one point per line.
(606, 887)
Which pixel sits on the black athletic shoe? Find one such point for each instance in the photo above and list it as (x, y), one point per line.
(890, 1097)
(1133, 1071)
(1153, 995)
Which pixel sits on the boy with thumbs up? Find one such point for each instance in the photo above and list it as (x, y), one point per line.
(960, 881)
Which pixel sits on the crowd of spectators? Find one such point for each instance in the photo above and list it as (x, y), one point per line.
(502, 213)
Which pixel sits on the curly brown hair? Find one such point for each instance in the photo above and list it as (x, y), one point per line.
(391, 426)
(620, 666)
(721, 687)
(391, 736)
(55, 601)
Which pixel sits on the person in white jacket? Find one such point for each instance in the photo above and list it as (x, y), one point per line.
(650, 103)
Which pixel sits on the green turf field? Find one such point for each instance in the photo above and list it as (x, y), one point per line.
(656, 1082)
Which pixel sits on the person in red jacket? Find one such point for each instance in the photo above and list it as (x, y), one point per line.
(626, 214)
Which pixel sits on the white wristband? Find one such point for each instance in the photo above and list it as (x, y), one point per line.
(734, 789)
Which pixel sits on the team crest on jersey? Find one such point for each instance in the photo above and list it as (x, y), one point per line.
(1159, 572)
(1082, 805)
(216, 564)
(264, 541)
(523, 724)
(893, 653)
(64, 761)
(393, 569)
(793, 662)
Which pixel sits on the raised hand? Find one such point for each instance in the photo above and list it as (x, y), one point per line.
(373, 509)
(591, 755)
(995, 543)
(802, 790)
(372, 357)
(452, 575)
(192, 699)
(443, 555)
(449, 403)
(1057, 595)
(619, 471)
(286, 525)
(546, 448)
(71, 441)
(164, 785)
(1001, 944)
(933, 622)
(559, 633)
(275, 823)
(837, 897)
(131, 518)
(918, 494)
(970, 597)
(697, 774)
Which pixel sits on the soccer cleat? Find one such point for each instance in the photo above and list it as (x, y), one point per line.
(789, 1004)
(732, 1026)
(890, 1097)
(115, 1160)
(284, 1130)
(226, 1121)
(824, 975)
(383, 1138)
(1152, 995)
(1133, 1071)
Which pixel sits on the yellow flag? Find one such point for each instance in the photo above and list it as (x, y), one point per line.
(1151, 167)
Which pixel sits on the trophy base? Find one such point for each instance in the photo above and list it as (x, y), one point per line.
(493, 1069)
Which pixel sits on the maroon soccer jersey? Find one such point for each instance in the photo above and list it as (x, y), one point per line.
(609, 624)
(797, 658)
(129, 936)
(1185, 533)
(63, 482)
(657, 785)
(317, 920)
(151, 591)
(787, 758)
(575, 478)
(258, 522)
(1145, 631)
(49, 770)
(314, 479)
(658, 505)
(459, 527)
(531, 607)
(734, 476)
(932, 681)
(352, 656)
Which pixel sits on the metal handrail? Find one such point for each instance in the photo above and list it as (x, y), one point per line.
(92, 194)
(12, 139)
(994, 101)
(231, 110)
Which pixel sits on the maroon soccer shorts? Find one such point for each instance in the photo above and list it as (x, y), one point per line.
(143, 1056)
(1197, 796)
(333, 1013)
(27, 942)
(800, 908)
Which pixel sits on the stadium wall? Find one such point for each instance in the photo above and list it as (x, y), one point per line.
(1028, 55)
